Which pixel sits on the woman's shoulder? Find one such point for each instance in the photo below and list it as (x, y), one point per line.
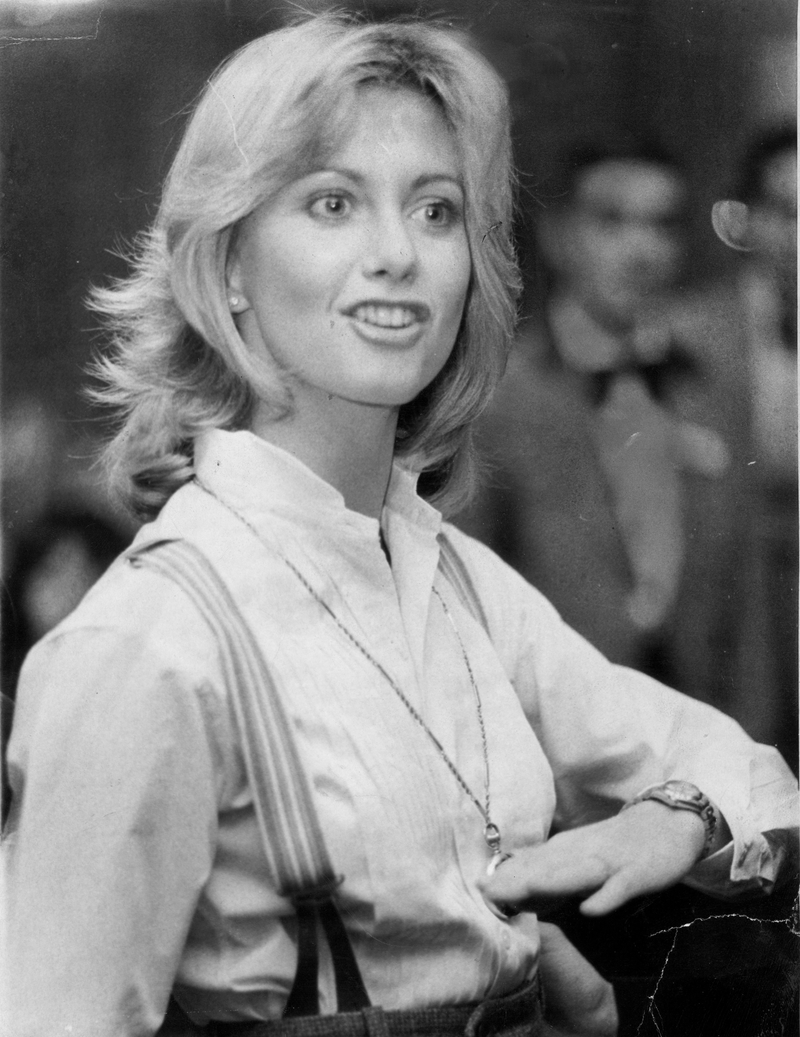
(138, 610)
(134, 655)
(136, 614)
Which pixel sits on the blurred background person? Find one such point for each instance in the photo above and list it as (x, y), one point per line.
(29, 435)
(603, 417)
(60, 529)
(760, 221)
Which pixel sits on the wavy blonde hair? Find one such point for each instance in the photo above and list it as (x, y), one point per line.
(275, 109)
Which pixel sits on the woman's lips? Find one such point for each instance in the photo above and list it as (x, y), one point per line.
(383, 316)
(388, 315)
(383, 323)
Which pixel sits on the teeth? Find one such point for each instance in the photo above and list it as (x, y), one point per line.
(386, 316)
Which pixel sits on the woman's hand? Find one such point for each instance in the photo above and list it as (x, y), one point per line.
(642, 850)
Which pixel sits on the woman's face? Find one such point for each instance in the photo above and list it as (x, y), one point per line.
(355, 276)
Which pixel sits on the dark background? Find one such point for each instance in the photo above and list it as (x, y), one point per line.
(92, 95)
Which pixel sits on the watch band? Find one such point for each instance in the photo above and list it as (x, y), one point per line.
(682, 795)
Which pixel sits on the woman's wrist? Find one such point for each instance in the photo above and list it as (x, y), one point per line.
(682, 796)
(678, 828)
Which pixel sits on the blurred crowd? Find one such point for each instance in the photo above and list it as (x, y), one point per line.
(642, 451)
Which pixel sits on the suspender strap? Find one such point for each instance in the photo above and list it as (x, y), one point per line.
(292, 838)
(297, 858)
(304, 996)
(351, 994)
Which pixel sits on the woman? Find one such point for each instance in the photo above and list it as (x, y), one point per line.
(321, 309)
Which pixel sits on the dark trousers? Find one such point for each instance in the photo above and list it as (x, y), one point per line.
(516, 1015)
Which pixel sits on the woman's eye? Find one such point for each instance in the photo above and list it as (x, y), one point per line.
(330, 206)
(437, 214)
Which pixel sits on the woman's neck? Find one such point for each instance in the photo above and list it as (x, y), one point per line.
(349, 445)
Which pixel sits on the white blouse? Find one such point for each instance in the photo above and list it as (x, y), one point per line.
(133, 860)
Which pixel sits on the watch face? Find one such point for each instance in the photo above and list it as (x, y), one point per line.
(683, 790)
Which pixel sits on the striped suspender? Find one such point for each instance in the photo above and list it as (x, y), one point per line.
(297, 857)
(296, 853)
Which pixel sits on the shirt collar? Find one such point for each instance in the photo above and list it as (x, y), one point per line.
(259, 479)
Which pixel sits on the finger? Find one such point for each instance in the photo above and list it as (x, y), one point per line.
(544, 878)
(616, 891)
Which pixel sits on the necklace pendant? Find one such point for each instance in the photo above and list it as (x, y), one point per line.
(491, 833)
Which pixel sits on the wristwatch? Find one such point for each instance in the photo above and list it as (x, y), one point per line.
(682, 795)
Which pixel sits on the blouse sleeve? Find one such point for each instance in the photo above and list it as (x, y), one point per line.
(608, 732)
(116, 767)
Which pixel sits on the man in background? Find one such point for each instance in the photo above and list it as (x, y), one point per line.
(600, 433)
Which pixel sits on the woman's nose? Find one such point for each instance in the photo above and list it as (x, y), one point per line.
(391, 251)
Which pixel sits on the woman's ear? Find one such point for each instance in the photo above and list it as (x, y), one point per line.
(731, 221)
(237, 300)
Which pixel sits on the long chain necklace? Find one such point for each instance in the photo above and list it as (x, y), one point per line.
(491, 833)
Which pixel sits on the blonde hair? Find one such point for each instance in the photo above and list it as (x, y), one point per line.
(276, 107)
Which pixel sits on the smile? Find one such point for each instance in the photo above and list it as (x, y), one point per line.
(389, 315)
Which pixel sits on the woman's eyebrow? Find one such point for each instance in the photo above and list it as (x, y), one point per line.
(361, 178)
(432, 178)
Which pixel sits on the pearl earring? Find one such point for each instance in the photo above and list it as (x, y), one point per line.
(233, 301)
